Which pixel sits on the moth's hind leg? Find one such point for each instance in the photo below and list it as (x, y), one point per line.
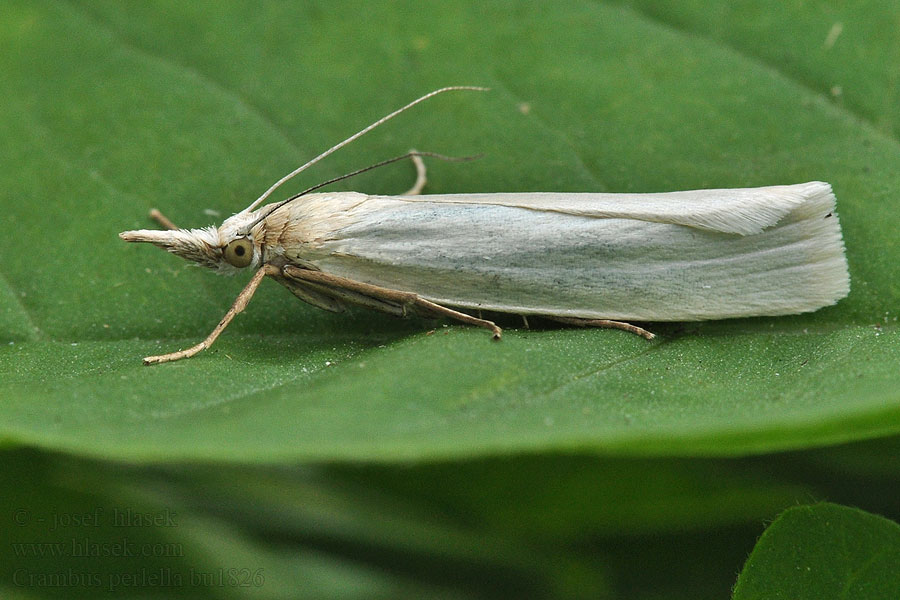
(604, 323)
(394, 302)
(420, 305)
(421, 179)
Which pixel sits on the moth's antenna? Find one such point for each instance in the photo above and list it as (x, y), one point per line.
(302, 168)
(409, 154)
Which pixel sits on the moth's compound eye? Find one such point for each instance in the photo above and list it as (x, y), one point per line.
(239, 252)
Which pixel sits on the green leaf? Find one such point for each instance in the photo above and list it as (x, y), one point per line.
(110, 109)
(95, 529)
(571, 499)
(824, 551)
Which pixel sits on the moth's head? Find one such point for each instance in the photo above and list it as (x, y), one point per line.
(228, 248)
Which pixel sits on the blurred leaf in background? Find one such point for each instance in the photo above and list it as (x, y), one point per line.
(824, 551)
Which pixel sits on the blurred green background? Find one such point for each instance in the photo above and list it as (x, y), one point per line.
(342, 456)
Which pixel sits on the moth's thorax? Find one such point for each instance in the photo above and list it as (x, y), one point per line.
(296, 232)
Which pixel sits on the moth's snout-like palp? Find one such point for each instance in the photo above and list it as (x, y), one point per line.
(197, 245)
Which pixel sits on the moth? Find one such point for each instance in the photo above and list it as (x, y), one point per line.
(588, 259)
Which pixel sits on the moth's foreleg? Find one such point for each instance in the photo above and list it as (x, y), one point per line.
(239, 305)
(604, 323)
(162, 219)
(421, 179)
(388, 300)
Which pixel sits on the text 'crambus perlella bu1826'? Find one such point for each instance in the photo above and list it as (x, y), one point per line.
(581, 258)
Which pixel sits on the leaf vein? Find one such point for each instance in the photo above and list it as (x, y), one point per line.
(758, 59)
(542, 122)
(214, 85)
(34, 330)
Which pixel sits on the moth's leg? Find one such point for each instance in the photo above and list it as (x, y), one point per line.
(421, 180)
(239, 305)
(296, 281)
(397, 298)
(390, 306)
(455, 314)
(525, 321)
(162, 219)
(604, 323)
(320, 298)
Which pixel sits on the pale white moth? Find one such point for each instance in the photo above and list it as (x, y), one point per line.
(590, 259)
